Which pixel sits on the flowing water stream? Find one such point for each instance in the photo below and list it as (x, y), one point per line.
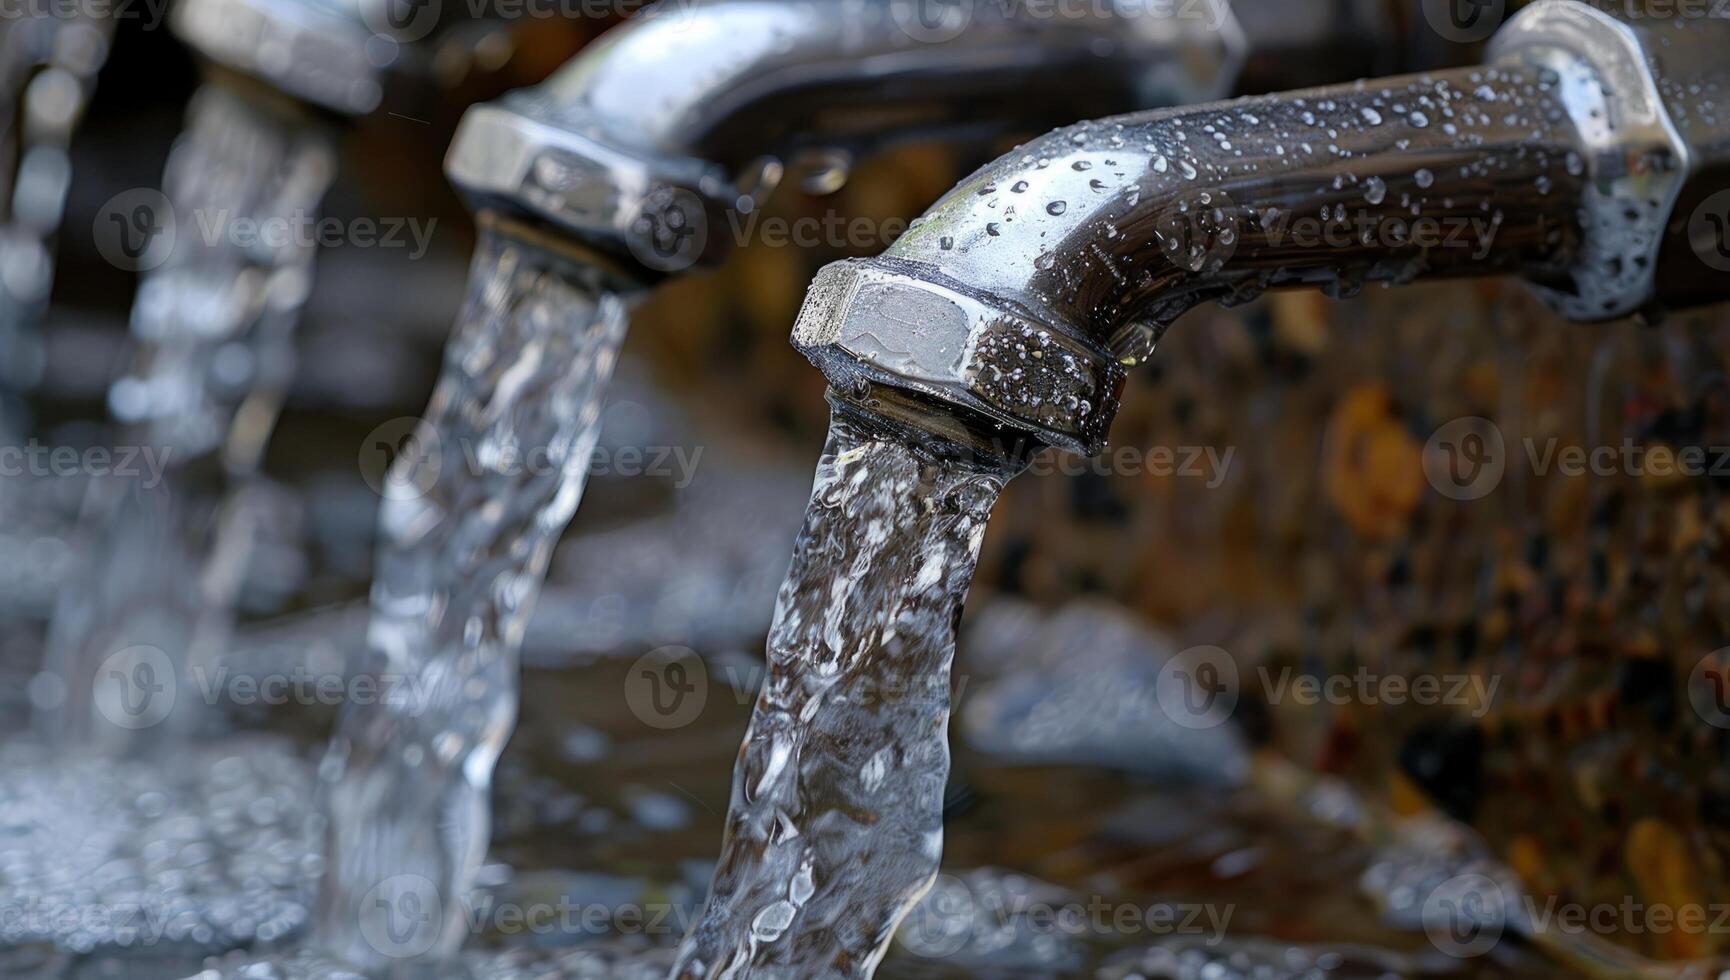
(212, 324)
(475, 501)
(835, 828)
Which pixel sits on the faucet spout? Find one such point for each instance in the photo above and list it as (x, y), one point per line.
(1017, 301)
(642, 146)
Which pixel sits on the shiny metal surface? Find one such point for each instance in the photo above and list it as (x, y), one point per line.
(1670, 155)
(309, 50)
(336, 54)
(1119, 226)
(1613, 85)
(653, 129)
(1086, 244)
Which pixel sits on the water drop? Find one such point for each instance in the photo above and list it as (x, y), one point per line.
(1424, 178)
(1371, 116)
(773, 921)
(1056, 208)
(1375, 190)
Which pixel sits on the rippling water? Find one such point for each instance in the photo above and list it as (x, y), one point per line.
(835, 827)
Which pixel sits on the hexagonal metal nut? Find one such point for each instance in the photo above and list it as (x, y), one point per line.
(904, 328)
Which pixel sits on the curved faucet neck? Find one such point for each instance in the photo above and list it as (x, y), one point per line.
(1020, 296)
(1037, 279)
(667, 113)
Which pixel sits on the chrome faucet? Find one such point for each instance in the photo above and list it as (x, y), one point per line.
(636, 149)
(261, 142)
(1584, 155)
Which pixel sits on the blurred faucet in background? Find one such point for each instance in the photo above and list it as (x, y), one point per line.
(213, 326)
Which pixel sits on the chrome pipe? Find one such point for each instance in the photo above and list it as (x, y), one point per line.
(644, 142)
(1561, 160)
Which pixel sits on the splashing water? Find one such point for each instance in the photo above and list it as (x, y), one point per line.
(101, 855)
(475, 502)
(835, 827)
